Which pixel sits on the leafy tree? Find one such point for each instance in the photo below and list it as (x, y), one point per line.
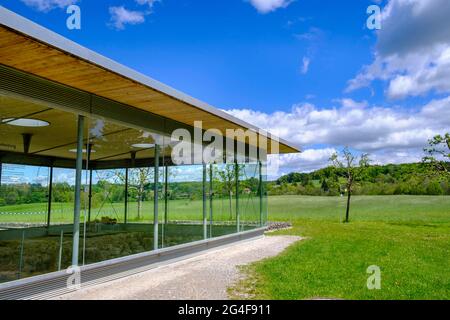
(139, 180)
(438, 154)
(227, 179)
(352, 170)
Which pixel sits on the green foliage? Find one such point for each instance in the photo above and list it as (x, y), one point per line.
(438, 154)
(401, 179)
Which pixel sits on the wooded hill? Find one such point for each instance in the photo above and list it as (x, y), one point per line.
(408, 179)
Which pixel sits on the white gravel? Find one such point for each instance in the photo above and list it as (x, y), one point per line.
(203, 277)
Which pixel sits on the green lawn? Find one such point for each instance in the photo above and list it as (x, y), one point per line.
(184, 209)
(408, 237)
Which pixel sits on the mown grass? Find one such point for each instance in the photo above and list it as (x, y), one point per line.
(180, 209)
(408, 237)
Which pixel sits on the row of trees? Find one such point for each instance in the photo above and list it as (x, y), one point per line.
(111, 188)
(402, 179)
(349, 171)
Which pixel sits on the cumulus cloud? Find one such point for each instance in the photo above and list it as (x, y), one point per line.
(307, 161)
(121, 16)
(47, 5)
(266, 6)
(413, 49)
(390, 135)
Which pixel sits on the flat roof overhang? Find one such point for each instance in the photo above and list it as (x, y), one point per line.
(31, 48)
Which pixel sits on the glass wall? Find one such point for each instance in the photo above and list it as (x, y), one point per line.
(184, 205)
(133, 198)
(36, 198)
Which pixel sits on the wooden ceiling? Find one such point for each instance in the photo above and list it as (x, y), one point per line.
(27, 54)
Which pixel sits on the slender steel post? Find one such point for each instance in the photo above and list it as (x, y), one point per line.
(1, 167)
(166, 203)
(19, 274)
(50, 192)
(90, 196)
(205, 226)
(210, 199)
(155, 201)
(89, 152)
(77, 207)
(260, 194)
(236, 177)
(126, 197)
(166, 195)
(60, 249)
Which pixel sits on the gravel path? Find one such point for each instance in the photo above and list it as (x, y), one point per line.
(203, 277)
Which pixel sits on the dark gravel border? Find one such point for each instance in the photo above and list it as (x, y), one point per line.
(275, 226)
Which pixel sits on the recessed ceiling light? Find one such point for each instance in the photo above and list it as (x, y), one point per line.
(84, 151)
(24, 122)
(143, 145)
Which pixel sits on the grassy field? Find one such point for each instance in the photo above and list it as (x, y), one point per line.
(408, 237)
(184, 209)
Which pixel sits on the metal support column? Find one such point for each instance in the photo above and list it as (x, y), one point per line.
(211, 194)
(50, 192)
(260, 194)
(125, 218)
(205, 226)
(166, 194)
(236, 178)
(89, 152)
(77, 208)
(155, 201)
(90, 196)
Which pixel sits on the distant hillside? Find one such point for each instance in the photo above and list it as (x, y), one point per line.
(409, 179)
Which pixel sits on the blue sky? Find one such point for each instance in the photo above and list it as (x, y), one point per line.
(307, 70)
(226, 52)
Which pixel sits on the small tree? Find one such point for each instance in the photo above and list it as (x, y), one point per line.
(438, 154)
(138, 180)
(351, 169)
(227, 179)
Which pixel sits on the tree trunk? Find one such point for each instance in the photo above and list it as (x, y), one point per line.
(140, 198)
(139, 208)
(348, 206)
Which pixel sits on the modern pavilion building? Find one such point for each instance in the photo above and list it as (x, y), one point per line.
(93, 175)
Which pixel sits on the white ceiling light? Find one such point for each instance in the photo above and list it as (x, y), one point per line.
(143, 145)
(24, 122)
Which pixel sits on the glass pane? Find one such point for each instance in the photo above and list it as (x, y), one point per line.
(185, 205)
(33, 138)
(249, 200)
(224, 199)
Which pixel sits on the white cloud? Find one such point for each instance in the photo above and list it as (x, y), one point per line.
(413, 49)
(47, 5)
(150, 3)
(307, 161)
(266, 6)
(305, 65)
(390, 135)
(121, 16)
